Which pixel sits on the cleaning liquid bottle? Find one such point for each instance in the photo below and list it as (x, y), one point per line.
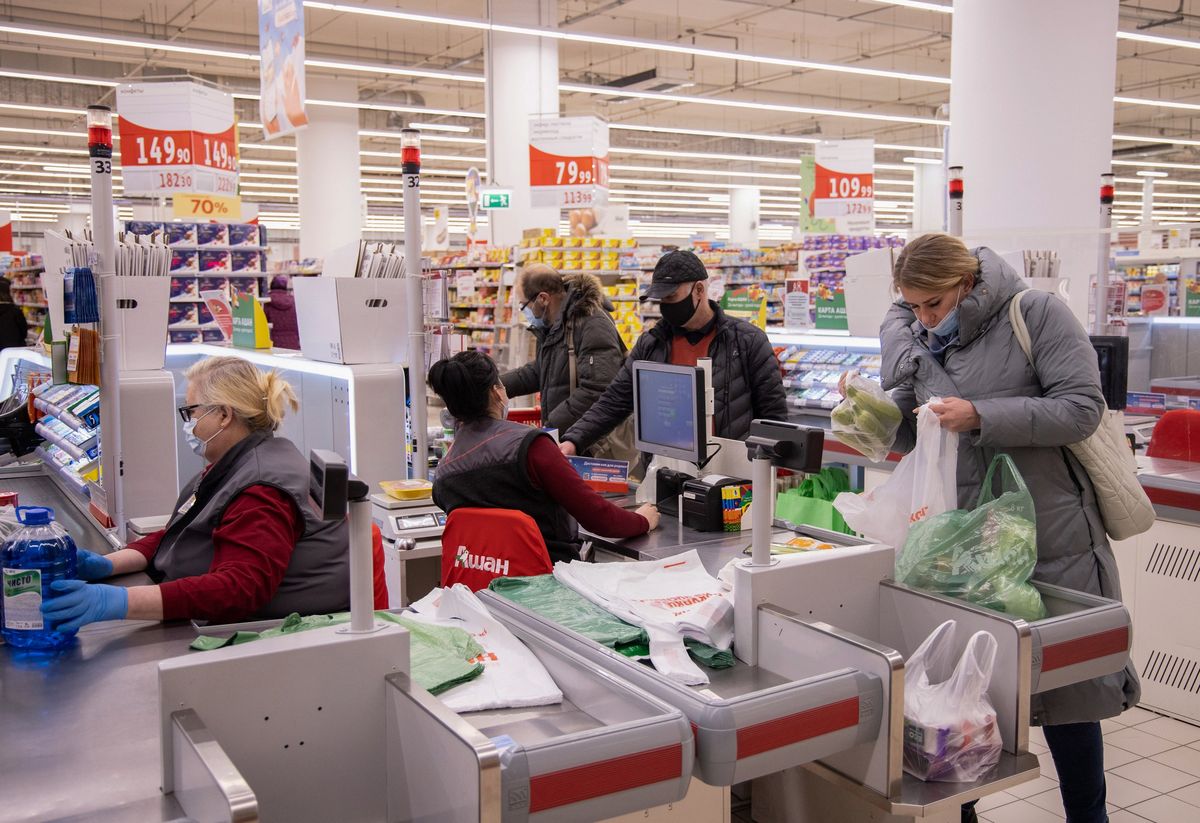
(32, 559)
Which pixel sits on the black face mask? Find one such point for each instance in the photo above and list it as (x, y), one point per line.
(678, 313)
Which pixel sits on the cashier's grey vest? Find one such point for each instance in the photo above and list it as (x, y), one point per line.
(317, 580)
(485, 468)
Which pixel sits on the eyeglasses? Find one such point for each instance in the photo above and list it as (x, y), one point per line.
(185, 412)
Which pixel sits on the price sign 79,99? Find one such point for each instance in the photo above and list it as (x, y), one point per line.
(568, 161)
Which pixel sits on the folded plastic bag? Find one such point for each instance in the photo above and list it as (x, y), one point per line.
(950, 731)
(672, 599)
(554, 601)
(924, 484)
(983, 556)
(512, 676)
(867, 419)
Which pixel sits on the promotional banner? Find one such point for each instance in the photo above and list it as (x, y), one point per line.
(747, 303)
(837, 188)
(568, 161)
(281, 77)
(177, 137)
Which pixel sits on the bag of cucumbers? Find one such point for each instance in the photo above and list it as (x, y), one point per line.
(867, 419)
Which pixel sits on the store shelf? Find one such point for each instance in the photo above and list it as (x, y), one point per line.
(32, 305)
(16, 287)
(23, 269)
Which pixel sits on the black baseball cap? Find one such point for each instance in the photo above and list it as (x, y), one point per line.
(673, 269)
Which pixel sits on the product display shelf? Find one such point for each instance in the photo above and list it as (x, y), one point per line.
(480, 312)
(1160, 274)
(812, 364)
(26, 285)
(70, 426)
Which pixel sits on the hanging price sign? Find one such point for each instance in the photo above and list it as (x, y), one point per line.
(177, 137)
(838, 186)
(568, 161)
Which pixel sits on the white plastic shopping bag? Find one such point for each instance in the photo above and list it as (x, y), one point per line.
(512, 676)
(924, 484)
(671, 598)
(950, 731)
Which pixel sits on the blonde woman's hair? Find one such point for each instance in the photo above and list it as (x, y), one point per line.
(259, 398)
(934, 263)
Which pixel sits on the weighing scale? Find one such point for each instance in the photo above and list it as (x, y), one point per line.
(412, 545)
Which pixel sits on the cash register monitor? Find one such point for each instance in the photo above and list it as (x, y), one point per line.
(668, 411)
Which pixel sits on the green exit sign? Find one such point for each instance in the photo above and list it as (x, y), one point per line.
(496, 199)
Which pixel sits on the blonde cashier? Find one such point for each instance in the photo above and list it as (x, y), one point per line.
(241, 542)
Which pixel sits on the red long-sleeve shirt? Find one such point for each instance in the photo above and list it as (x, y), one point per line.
(252, 548)
(550, 471)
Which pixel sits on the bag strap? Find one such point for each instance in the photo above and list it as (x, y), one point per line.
(1020, 329)
(572, 366)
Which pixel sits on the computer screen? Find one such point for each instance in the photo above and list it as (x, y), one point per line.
(668, 410)
(1112, 355)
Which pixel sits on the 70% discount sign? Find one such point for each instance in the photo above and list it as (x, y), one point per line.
(207, 206)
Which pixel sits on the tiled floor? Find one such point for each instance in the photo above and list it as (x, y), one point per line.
(1153, 765)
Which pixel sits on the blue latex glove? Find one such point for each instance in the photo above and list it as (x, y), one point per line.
(92, 566)
(75, 603)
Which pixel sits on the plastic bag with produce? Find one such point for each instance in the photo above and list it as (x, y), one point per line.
(984, 556)
(867, 419)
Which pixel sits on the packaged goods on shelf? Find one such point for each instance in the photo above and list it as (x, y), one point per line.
(212, 261)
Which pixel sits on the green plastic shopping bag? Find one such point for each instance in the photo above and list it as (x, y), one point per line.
(984, 556)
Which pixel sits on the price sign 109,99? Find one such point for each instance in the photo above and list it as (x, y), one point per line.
(177, 137)
(568, 161)
(844, 185)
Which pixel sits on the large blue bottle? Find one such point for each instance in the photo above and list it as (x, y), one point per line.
(32, 559)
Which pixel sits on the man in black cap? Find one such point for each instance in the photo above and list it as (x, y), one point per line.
(746, 378)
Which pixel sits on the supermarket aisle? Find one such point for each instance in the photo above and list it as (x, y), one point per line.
(1153, 765)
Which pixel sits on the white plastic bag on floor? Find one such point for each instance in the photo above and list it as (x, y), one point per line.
(672, 599)
(923, 484)
(512, 676)
(950, 731)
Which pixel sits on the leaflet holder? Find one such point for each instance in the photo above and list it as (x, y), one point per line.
(142, 304)
(352, 320)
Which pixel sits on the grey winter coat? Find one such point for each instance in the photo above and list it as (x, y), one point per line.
(746, 378)
(599, 354)
(1031, 413)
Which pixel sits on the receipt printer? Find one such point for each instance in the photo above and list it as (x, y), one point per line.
(703, 509)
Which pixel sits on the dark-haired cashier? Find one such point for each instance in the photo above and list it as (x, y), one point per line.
(496, 463)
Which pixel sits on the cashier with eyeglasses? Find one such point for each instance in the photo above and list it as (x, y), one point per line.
(242, 542)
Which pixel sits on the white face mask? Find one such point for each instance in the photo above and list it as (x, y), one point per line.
(189, 433)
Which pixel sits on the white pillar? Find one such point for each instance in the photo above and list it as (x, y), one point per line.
(1031, 149)
(331, 212)
(744, 202)
(522, 83)
(929, 199)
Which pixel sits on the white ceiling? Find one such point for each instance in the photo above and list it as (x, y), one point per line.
(860, 33)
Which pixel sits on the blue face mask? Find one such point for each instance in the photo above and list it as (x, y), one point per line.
(945, 332)
(532, 319)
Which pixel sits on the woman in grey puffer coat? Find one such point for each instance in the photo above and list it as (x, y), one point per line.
(950, 337)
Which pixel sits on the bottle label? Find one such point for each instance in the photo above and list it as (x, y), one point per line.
(23, 599)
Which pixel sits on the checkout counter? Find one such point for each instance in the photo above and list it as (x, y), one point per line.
(812, 711)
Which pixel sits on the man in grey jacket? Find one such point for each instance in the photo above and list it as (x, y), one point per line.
(950, 337)
(565, 312)
(747, 381)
